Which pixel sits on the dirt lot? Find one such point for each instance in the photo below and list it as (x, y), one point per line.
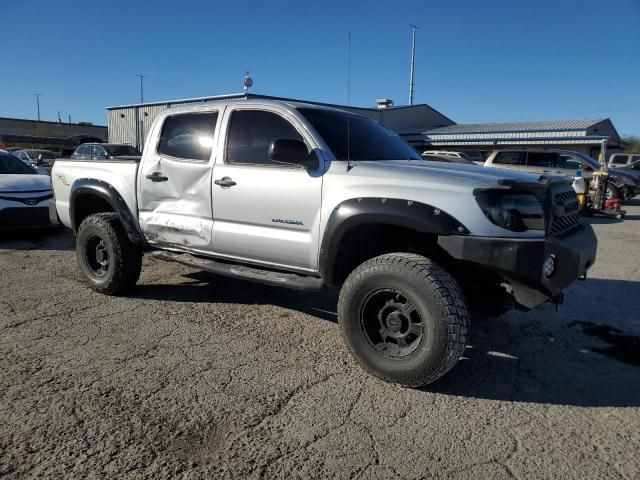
(194, 375)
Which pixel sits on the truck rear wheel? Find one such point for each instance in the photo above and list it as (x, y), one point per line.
(403, 318)
(109, 261)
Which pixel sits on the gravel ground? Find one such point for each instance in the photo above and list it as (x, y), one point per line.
(193, 375)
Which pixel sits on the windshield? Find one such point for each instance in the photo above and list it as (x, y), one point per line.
(590, 161)
(121, 150)
(368, 140)
(11, 164)
(34, 154)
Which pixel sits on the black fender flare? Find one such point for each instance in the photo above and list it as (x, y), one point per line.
(386, 211)
(104, 190)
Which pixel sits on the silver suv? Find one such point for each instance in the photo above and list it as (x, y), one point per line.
(307, 197)
(564, 162)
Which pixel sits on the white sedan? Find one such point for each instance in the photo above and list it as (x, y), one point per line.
(24, 195)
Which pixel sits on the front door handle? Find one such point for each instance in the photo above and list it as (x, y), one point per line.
(157, 177)
(225, 182)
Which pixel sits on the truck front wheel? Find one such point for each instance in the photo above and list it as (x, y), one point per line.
(109, 261)
(403, 318)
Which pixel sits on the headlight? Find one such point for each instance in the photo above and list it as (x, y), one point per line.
(515, 211)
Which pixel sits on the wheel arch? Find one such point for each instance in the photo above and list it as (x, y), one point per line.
(373, 215)
(89, 196)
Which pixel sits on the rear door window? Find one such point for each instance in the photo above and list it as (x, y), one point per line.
(188, 136)
(509, 158)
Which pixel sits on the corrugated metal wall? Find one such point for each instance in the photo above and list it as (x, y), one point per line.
(147, 115)
(122, 126)
(131, 125)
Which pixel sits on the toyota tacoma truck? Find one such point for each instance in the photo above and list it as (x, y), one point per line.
(306, 196)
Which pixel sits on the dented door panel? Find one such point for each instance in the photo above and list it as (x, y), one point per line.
(177, 211)
(174, 196)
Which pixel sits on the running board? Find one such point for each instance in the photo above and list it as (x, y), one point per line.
(267, 277)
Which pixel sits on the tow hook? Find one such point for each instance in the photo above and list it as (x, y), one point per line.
(557, 300)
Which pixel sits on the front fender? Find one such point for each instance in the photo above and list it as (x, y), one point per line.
(381, 211)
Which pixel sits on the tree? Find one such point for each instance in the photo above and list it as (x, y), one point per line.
(633, 142)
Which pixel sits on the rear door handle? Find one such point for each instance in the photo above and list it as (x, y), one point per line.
(225, 182)
(157, 177)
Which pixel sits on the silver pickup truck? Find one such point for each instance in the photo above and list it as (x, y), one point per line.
(303, 196)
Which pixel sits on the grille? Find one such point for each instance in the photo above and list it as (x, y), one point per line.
(22, 217)
(565, 209)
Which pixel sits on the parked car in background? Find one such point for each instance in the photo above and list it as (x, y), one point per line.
(36, 157)
(24, 195)
(447, 159)
(625, 161)
(446, 153)
(104, 151)
(563, 162)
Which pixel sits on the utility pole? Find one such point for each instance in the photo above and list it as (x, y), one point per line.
(141, 89)
(413, 58)
(37, 95)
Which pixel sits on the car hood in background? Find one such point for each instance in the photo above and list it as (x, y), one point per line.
(625, 173)
(10, 182)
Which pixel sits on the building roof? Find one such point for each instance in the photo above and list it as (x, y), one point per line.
(239, 96)
(512, 127)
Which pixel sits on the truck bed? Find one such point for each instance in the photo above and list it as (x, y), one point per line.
(118, 172)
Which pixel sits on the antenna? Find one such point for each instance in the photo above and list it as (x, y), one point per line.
(349, 103)
(413, 58)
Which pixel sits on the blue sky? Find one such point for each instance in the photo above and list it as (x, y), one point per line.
(476, 61)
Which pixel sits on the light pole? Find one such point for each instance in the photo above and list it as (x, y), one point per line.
(413, 58)
(141, 89)
(37, 95)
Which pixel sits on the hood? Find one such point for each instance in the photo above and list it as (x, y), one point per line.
(11, 182)
(456, 173)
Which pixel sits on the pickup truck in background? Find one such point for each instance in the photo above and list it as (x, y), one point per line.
(302, 196)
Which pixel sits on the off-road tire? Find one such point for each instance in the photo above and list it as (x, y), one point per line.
(437, 299)
(125, 258)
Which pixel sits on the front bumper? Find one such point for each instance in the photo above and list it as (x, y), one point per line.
(17, 218)
(520, 261)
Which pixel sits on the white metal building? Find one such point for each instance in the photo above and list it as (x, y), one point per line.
(421, 125)
(130, 124)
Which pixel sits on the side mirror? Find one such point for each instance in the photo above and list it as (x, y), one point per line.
(292, 152)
